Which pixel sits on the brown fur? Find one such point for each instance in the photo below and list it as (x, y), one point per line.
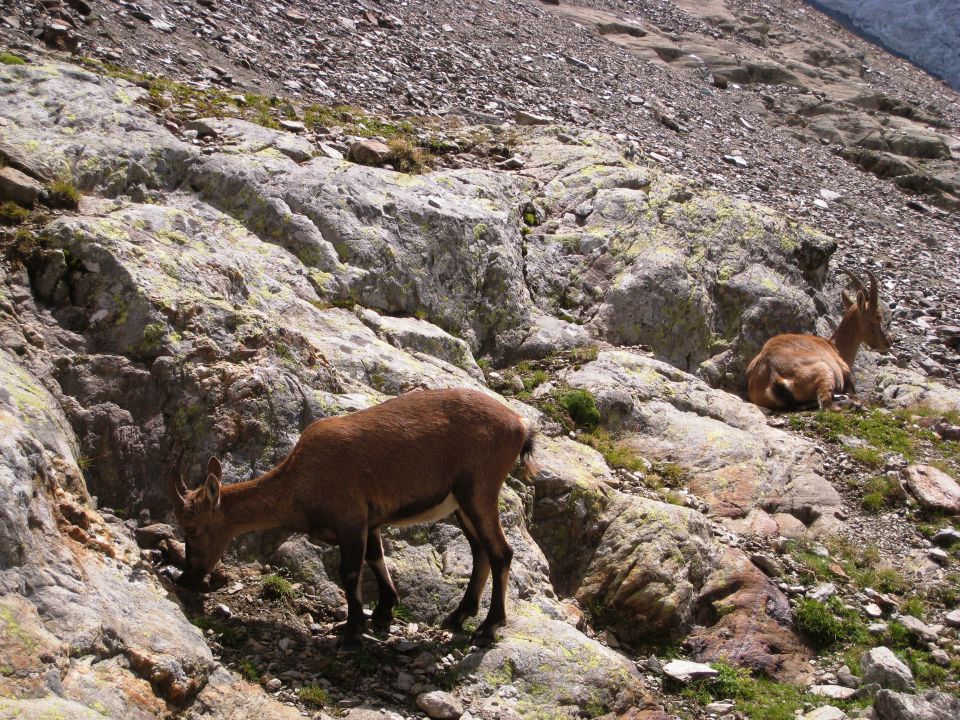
(350, 475)
(793, 371)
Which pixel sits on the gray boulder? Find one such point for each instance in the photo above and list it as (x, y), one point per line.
(879, 665)
(932, 705)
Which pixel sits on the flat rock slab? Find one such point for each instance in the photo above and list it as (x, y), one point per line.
(687, 671)
(933, 488)
(826, 712)
(834, 692)
(753, 477)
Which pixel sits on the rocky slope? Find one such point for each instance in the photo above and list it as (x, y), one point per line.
(226, 277)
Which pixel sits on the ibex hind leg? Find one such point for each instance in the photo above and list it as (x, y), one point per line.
(387, 597)
(470, 603)
(352, 551)
(483, 514)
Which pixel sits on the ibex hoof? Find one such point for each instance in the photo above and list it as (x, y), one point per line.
(453, 622)
(484, 637)
(382, 621)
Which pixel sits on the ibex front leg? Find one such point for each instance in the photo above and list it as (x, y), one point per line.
(352, 550)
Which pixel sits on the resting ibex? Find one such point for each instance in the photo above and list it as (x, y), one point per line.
(793, 371)
(415, 458)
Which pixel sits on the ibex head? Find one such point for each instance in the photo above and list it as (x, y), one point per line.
(206, 530)
(866, 311)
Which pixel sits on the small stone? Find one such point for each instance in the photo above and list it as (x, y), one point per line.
(19, 187)
(440, 705)
(834, 692)
(273, 684)
(293, 126)
(719, 707)
(223, 611)
(284, 644)
(736, 160)
(952, 618)
(881, 666)
(369, 152)
(826, 712)
(823, 592)
(939, 556)
(872, 610)
(686, 671)
(404, 681)
(330, 151)
(877, 628)
(514, 163)
(829, 195)
(847, 678)
(918, 628)
(940, 657)
(946, 537)
(933, 488)
(525, 118)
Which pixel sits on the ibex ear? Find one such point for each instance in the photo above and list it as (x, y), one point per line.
(847, 300)
(212, 489)
(861, 300)
(212, 486)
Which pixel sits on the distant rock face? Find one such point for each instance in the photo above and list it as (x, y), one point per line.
(926, 31)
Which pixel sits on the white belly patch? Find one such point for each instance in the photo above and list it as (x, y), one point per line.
(435, 513)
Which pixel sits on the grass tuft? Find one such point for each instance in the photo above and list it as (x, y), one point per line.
(314, 695)
(407, 157)
(825, 624)
(581, 407)
(13, 214)
(879, 493)
(62, 194)
(755, 698)
(277, 588)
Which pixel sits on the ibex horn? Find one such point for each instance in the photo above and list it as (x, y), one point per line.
(873, 288)
(856, 281)
(178, 488)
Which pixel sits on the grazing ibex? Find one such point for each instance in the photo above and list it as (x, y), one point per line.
(793, 371)
(415, 458)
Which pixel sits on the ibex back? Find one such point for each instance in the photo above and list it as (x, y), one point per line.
(415, 458)
(794, 371)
